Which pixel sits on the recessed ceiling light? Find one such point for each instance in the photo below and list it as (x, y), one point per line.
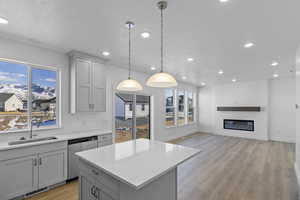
(184, 77)
(274, 63)
(190, 59)
(248, 44)
(275, 75)
(221, 72)
(145, 35)
(203, 83)
(3, 20)
(105, 53)
(233, 80)
(223, 1)
(153, 68)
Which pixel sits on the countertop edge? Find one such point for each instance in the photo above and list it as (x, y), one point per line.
(4, 146)
(139, 186)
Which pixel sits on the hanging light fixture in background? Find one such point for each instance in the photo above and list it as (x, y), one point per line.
(162, 79)
(129, 84)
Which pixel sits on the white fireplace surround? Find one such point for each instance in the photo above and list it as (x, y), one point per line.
(237, 94)
(260, 124)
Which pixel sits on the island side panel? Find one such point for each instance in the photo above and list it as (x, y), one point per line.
(164, 187)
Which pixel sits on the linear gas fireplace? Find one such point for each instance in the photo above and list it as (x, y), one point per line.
(236, 124)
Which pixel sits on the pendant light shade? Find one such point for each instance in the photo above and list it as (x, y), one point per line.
(162, 79)
(129, 84)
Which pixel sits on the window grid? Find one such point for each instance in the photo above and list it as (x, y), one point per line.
(29, 68)
(186, 96)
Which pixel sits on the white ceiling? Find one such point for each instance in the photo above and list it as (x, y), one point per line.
(211, 32)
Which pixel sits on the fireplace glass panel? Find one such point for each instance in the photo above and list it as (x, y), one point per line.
(234, 124)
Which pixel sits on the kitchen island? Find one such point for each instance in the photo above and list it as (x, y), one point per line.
(140, 169)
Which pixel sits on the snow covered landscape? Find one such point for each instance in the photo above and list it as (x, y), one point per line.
(14, 95)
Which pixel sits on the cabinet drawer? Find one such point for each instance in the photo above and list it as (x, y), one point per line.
(107, 183)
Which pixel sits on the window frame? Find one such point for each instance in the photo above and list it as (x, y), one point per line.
(193, 106)
(184, 109)
(174, 91)
(29, 98)
(176, 102)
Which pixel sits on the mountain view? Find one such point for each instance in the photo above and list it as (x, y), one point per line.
(38, 91)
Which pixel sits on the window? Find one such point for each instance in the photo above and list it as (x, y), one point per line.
(181, 108)
(43, 97)
(191, 107)
(130, 107)
(170, 108)
(17, 89)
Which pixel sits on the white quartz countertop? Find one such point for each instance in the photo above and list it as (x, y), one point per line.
(137, 162)
(60, 137)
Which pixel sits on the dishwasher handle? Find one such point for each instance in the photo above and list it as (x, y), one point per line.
(81, 140)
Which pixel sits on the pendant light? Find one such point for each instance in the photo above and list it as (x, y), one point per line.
(129, 84)
(162, 79)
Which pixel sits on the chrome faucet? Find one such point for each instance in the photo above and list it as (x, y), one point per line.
(38, 124)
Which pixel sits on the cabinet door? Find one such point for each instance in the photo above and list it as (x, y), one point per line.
(88, 191)
(84, 82)
(52, 168)
(104, 196)
(18, 176)
(99, 87)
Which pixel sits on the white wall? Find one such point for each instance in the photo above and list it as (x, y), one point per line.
(205, 110)
(282, 122)
(89, 121)
(298, 114)
(276, 97)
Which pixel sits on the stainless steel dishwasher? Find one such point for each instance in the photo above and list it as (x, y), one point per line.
(77, 145)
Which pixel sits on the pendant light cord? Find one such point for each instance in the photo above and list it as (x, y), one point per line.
(161, 40)
(129, 51)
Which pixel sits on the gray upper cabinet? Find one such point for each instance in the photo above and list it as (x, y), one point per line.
(87, 83)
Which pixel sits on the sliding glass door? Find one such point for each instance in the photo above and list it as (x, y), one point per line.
(132, 117)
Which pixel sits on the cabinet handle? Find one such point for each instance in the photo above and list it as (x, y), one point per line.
(95, 192)
(40, 161)
(34, 162)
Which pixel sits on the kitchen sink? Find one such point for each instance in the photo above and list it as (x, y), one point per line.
(31, 140)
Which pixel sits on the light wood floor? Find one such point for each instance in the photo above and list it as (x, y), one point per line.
(227, 169)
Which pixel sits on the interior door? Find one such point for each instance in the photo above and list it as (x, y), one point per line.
(18, 176)
(52, 168)
(132, 117)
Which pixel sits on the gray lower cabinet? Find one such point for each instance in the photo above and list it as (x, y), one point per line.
(89, 190)
(18, 176)
(52, 167)
(25, 170)
(96, 184)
